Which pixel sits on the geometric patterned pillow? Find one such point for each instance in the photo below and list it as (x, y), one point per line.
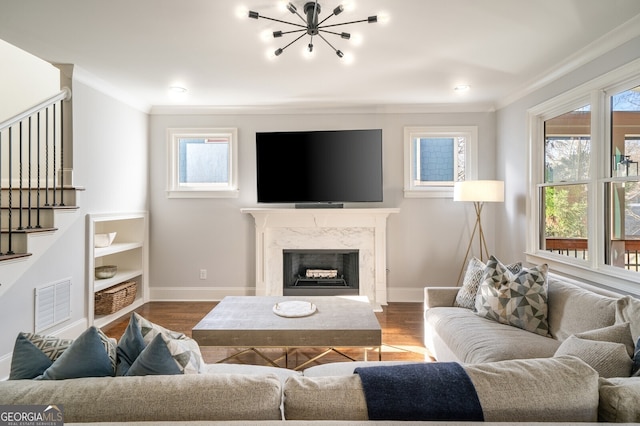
(149, 330)
(186, 353)
(518, 299)
(49, 345)
(466, 297)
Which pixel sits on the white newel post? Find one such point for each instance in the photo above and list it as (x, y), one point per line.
(360, 229)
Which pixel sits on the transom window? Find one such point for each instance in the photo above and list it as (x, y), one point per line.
(202, 163)
(437, 157)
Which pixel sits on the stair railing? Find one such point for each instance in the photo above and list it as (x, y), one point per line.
(41, 123)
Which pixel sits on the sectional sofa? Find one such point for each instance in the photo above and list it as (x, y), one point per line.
(517, 377)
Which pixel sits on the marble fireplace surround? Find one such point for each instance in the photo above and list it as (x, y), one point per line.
(361, 229)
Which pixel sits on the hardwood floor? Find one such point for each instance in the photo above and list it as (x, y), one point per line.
(402, 334)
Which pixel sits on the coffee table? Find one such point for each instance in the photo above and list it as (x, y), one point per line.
(250, 322)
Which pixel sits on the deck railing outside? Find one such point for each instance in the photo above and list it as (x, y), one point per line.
(578, 248)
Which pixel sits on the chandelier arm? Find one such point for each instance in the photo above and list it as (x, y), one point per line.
(345, 23)
(283, 22)
(297, 38)
(330, 32)
(293, 31)
(326, 19)
(327, 41)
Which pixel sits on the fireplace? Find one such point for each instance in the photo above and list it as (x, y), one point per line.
(364, 230)
(320, 272)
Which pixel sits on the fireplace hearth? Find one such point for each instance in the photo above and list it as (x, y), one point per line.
(320, 272)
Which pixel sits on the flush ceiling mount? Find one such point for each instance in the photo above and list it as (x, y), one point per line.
(312, 26)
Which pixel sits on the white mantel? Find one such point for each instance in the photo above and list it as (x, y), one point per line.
(362, 229)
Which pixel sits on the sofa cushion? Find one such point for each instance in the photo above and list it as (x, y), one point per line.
(619, 400)
(628, 310)
(574, 310)
(517, 299)
(617, 333)
(474, 339)
(186, 397)
(609, 359)
(536, 390)
(466, 297)
(325, 398)
(92, 354)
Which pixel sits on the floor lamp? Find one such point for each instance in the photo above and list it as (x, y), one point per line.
(478, 192)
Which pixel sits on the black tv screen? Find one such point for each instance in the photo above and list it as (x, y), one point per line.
(319, 166)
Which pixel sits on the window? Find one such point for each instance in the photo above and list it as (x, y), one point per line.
(437, 157)
(563, 195)
(584, 208)
(202, 163)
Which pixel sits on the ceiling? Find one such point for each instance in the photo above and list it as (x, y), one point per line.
(138, 48)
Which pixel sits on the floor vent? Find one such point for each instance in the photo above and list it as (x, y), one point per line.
(52, 304)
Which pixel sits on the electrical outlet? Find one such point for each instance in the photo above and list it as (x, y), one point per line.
(203, 274)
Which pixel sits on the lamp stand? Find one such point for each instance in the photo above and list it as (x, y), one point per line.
(478, 205)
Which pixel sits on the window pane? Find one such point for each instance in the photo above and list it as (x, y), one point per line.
(624, 197)
(438, 159)
(567, 146)
(625, 132)
(564, 229)
(203, 161)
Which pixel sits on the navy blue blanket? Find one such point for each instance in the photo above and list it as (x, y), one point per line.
(421, 391)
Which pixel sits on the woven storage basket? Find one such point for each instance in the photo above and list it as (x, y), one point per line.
(114, 298)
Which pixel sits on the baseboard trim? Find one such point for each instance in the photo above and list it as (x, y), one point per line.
(70, 331)
(194, 294)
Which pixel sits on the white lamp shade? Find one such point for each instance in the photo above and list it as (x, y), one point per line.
(479, 190)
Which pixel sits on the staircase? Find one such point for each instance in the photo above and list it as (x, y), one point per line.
(33, 191)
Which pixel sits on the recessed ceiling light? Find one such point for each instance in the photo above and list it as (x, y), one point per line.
(177, 89)
(462, 88)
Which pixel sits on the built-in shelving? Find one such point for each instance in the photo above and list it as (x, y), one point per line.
(129, 252)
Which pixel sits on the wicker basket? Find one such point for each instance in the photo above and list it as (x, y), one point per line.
(114, 298)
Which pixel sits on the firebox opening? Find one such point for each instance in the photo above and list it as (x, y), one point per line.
(320, 272)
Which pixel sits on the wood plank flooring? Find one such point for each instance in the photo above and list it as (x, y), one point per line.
(402, 334)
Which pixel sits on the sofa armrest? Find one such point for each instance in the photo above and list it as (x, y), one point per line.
(439, 296)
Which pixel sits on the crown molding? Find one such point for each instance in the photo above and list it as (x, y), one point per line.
(316, 110)
(611, 40)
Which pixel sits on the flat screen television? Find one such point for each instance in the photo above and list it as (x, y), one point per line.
(319, 167)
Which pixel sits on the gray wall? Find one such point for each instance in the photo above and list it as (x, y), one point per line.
(425, 241)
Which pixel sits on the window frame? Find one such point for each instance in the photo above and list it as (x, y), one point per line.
(596, 93)
(201, 190)
(438, 189)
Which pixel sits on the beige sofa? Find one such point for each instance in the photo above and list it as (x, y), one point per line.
(544, 390)
(574, 309)
(458, 334)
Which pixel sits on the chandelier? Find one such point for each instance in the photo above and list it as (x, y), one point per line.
(312, 26)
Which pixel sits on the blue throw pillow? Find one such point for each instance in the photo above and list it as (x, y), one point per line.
(155, 359)
(88, 356)
(28, 361)
(130, 346)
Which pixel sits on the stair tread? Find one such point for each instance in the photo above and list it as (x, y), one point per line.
(26, 230)
(43, 208)
(13, 256)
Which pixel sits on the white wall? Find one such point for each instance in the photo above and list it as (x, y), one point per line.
(110, 158)
(25, 82)
(425, 241)
(511, 155)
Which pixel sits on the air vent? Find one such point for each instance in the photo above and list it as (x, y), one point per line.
(52, 304)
